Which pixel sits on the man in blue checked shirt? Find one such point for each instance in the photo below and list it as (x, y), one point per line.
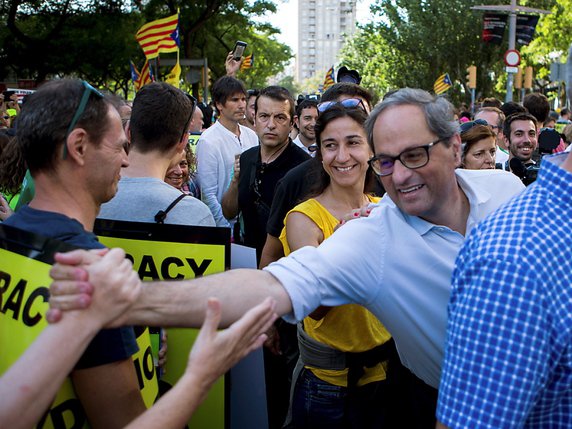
(508, 361)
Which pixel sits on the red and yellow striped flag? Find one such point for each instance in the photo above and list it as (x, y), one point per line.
(247, 62)
(159, 36)
(329, 80)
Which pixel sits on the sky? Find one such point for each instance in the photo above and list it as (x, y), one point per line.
(286, 20)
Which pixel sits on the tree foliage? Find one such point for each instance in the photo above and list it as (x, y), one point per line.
(94, 39)
(412, 42)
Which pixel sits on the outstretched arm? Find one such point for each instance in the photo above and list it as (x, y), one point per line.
(173, 303)
(211, 356)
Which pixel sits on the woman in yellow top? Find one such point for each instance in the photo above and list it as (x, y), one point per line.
(325, 392)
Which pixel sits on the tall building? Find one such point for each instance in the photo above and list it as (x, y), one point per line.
(322, 27)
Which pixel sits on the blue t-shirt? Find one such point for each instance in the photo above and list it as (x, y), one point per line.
(109, 345)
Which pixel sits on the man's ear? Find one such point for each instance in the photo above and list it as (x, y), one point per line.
(128, 130)
(76, 145)
(297, 121)
(456, 144)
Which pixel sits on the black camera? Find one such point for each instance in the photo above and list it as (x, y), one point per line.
(526, 173)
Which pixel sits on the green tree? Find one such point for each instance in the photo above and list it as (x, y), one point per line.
(416, 41)
(94, 39)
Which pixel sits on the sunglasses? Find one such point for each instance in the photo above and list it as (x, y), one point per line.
(193, 107)
(463, 128)
(349, 103)
(88, 90)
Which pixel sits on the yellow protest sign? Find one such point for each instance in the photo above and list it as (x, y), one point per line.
(170, 252)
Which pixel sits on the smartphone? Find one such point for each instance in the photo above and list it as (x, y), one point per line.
(238, 50)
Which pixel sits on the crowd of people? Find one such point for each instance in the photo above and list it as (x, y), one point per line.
(418, 281)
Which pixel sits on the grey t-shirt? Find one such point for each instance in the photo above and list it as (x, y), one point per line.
(138, 199)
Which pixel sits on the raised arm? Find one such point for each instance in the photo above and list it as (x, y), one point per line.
(211, 356)
(173, 303)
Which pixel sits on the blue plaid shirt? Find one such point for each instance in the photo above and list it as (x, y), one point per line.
(508, 361)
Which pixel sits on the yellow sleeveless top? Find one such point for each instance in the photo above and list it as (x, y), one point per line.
(350, 327)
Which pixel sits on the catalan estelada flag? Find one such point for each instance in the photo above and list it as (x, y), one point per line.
(247, 62)
(144, 77)
(159, 36)
(330, 79)
(442, 84)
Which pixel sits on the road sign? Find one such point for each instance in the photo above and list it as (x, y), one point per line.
(512, 58)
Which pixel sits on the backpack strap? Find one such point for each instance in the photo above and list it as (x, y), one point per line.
(162, 214)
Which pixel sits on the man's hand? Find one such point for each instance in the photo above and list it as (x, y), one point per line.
(232, 66)
(216, 352)
(112, 287)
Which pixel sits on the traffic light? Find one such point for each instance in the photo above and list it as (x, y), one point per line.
(528, 77)
(518, 79)
(472, 77)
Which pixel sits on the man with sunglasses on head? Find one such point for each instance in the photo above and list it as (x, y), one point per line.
(72, 140)
(158, 131)
(397, 262)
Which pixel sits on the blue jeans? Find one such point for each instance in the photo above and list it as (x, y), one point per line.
(319, 404)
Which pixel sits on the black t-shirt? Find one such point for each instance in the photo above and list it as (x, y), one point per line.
(109, 345)
(290, 191)
(256, 189)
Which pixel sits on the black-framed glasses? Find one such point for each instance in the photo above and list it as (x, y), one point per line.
(349, 103)
(415, 157)
(190, 118)
(463, 128)
(88, 90)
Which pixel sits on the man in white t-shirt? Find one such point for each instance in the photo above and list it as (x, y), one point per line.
(221, 142)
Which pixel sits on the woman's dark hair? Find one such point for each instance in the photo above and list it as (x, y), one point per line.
(317, 176)
(12, 165)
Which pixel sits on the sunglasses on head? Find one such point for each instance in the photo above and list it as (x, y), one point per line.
(349, 103)
(463, 128)
(88, 90)
(193, 101)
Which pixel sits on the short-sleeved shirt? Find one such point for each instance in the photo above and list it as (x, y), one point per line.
(109, 345)
(508, 362)
(397, 266)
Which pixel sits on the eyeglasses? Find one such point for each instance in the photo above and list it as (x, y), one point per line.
(88, 90)
(349, 103)
(463, 128)
(413, 158)
(188, 121)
